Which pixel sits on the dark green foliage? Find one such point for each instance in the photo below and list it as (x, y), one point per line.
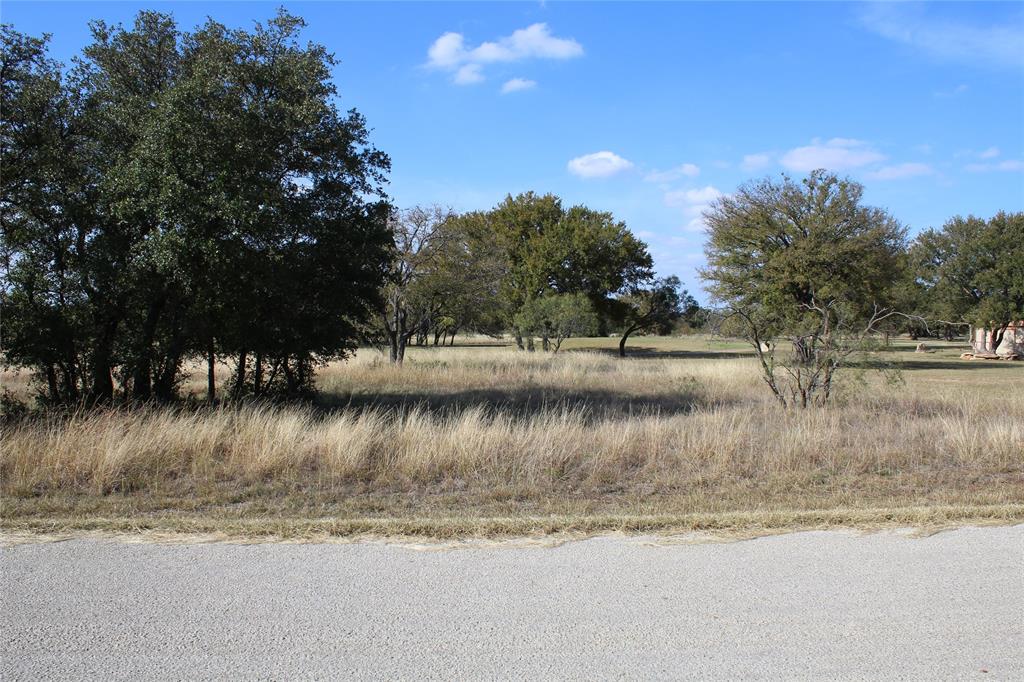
(180, 195)
(808, 264)
(656, 308)
(479, 270)
(971, 272)
(557, 317)
(553, 250)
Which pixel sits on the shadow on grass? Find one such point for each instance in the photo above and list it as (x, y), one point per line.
(932, 348)
(939, 364)
(430, 346)
(906, 364)
(596, 404)
(648, 353)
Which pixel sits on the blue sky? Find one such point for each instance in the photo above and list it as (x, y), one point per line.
(652, 110)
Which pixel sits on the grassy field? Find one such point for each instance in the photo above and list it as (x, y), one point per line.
(483, 440)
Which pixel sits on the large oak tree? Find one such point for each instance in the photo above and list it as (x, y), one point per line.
(805, 262)
(184, 194)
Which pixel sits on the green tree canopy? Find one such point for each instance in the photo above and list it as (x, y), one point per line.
(972, 271)
(807, 262)
(557, 317)
(550, 249)
(656, 307)
(192, 193)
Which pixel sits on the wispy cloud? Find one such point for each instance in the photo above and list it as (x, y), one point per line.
(1009, 165)
(517, 85)
(688, 170)
(990, 153)
(837, 154)
(901, 171)
(598, 165)
(451, 53)
(996, 45)
(468, 75)
(693, 202)
(755, 162)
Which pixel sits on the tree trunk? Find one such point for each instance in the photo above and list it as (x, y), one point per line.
(211, 375)
(51, 382)
(289, 377)
(70, 378)
(397, 335)
(519, 340)
(142, 379)
(240, 374)
(622, 341)
(997, 337)
(142, 376)
(403, 343)
(102, 389)
(451, 339)
(163, 388)
(392, 347)
(102, 365)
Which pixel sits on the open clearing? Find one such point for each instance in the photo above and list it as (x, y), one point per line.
(482, 440)
(800, 606)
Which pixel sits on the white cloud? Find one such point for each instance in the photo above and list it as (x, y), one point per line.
(468, 75)
(997, 45)
(693, 202)
(685, 197)
(901, 171)
(845, 142)
(534, 41)
(688, 170)
(517, 84)
(837, 154)
(447, 51)
(1009, 165)
(598, 165)
(754, 162)
(450, 52)
(990, 153)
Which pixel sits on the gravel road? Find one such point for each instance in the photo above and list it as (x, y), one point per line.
(817, 605)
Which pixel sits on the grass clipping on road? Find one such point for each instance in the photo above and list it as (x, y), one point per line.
(485, 442)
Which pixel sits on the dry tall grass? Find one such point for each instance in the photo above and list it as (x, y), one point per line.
(554, 449)
(482, 429)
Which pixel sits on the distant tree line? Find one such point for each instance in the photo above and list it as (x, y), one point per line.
(969, 273)
(530, 267)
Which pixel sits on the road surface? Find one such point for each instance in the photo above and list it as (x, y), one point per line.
(817, 605)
